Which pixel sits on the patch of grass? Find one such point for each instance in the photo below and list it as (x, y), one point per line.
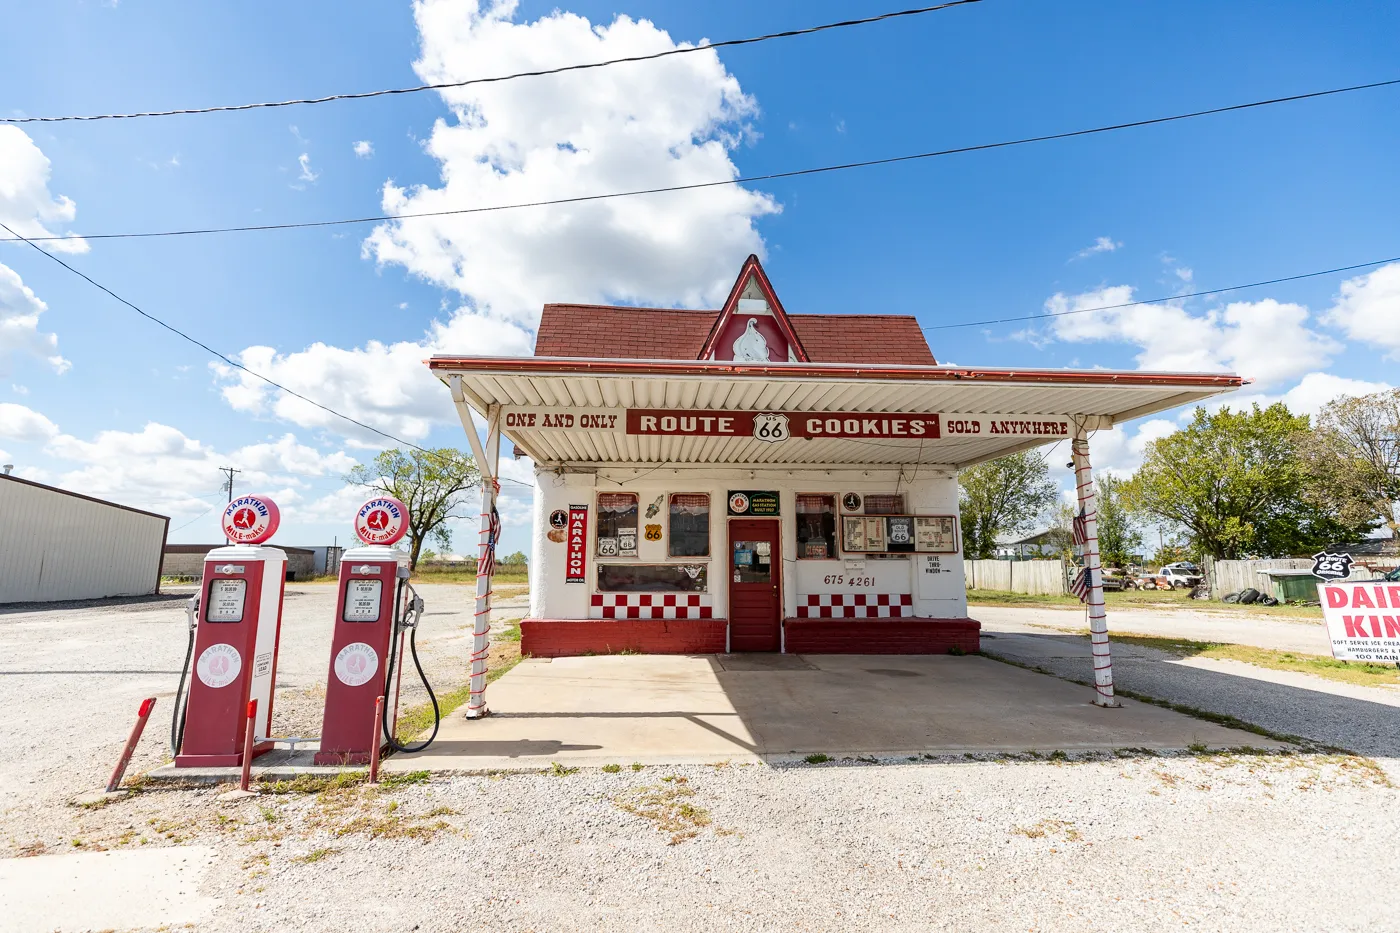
(559, 770)
(406, 779)
(1351, 672)
(637, 766)
(315, 855)
(512, 632)
(390, 827)
(1058, 755)
(503, 654)
(269, 815)
(504, 576)
(669, 807)
(817, 759)
(315, 783)
(611, 769)
(1142, 599)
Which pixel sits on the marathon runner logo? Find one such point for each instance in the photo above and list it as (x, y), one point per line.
(250, 520)
(383, 520)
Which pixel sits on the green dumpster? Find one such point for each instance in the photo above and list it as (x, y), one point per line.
(1293, 586)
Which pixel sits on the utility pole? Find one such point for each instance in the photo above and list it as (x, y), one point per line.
(230, 471)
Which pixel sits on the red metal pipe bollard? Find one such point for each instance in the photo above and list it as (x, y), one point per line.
(248, 745)
(375, 741)
(142, 716)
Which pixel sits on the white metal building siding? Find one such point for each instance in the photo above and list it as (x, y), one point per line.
(57, 546)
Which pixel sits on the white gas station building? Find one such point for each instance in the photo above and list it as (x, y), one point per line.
(749, 480)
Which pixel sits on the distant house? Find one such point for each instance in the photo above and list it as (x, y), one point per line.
(1046, 543)
(56, 544)
(187, 560)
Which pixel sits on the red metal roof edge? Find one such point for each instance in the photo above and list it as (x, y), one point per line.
(582, 366)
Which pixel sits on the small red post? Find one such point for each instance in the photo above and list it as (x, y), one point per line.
(375, 741)
(248, 745)
(142, 716)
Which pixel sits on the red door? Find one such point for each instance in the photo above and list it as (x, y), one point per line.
(754, 574)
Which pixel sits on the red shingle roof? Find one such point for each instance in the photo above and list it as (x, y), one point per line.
(609, 332)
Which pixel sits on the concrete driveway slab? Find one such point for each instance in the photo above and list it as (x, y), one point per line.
(686, 710)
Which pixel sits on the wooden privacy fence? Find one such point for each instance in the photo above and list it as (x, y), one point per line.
(1232, 576)
(1034, 577)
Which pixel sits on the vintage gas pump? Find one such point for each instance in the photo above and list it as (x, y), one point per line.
(235, 623)
(374, 607)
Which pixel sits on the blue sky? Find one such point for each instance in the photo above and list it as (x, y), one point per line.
(96, 399)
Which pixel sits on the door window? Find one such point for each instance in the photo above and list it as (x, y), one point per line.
(752, 562)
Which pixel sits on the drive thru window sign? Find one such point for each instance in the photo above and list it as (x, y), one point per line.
(1363, 620)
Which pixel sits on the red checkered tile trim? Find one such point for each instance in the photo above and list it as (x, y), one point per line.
(855, 606)
(651, 606)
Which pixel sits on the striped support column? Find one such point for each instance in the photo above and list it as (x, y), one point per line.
(1098, 621)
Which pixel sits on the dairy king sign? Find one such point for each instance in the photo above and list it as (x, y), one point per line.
(1363, 619)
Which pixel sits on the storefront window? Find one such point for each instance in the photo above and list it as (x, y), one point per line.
(816, 527)
(881, 504)
(690, 525)
(617, 524)
(663, 578)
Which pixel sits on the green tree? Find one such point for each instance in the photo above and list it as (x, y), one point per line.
(1002, 496)
(1353, 457)
(434, 484)
(517, 559)
(1119, 536)
(1236, 483)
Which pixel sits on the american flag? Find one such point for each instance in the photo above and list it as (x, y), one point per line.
(488, 558)
(1081, 532)
(1080, 586)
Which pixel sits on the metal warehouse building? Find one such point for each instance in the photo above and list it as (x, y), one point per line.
(56, 544)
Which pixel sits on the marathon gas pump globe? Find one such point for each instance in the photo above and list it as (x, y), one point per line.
(374, 606)
(251, 520)
(235, 624)
(381, 521)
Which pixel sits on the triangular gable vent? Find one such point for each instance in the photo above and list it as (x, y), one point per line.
(753, 327)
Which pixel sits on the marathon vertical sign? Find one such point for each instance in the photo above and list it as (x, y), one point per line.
(578, 543)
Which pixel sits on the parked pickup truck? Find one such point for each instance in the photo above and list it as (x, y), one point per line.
(1173, 577)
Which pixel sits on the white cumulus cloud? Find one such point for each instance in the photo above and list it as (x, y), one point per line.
(20, 423)
(1368, 308)
(1267, 341)
(26, 206)
(19, 323)
(674, 122)
(364, 148)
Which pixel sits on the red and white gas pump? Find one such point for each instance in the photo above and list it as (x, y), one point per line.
(374, 607)
(235, 624)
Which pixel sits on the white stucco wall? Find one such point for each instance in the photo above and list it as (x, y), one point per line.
(941, 595)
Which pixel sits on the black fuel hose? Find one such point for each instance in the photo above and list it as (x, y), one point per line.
(394, 659)
(177, 715)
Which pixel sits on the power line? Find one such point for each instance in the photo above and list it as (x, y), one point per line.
(1170, 298)
(362, 95)
(204, 346)
(741, 180)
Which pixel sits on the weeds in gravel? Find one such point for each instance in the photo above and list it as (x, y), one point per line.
(637, 766)
(315, 855)
(667, 806)
(559, 770)
(391, 827)
(315, 783)
(1063, 828)
(817, 759)
(611, 769)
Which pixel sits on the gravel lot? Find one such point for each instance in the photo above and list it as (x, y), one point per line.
(1140, 844)
(1136, 842)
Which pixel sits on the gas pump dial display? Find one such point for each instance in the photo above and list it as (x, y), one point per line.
(362, 600)
(226, 598)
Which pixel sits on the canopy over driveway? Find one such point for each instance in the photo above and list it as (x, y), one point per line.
(1017, 409)
(589, 413)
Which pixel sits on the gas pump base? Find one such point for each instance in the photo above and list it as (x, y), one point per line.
(234, 760)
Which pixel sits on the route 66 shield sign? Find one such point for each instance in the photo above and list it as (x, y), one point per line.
(771, 427)
(1329, 566)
